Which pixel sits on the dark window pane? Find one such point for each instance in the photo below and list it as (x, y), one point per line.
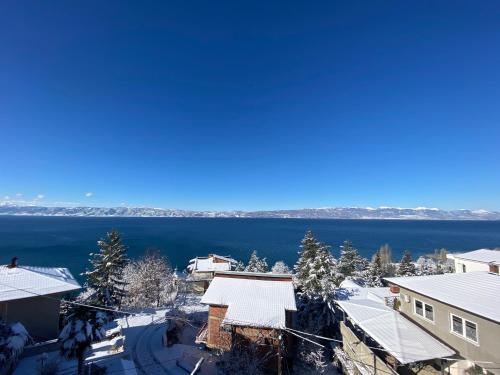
(457, 325)
(429, 312)
(419, 308)
(470, 330)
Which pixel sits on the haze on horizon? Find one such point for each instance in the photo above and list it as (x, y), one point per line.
(250, 106)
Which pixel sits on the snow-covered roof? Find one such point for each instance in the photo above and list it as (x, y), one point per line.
(475, 292)
(481, 255)
(349, 290)
(403, 339)
(25, 281)
(252, 299)
(207, 264)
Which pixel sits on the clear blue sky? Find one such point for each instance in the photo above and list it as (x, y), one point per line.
(251, 105)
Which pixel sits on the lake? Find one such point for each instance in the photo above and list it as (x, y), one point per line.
(67, 241)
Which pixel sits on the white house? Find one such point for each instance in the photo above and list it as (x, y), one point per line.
(477, 260)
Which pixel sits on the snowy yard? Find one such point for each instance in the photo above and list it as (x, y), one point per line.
(135, 344)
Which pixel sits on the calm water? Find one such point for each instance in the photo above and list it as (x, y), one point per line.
(66, 241)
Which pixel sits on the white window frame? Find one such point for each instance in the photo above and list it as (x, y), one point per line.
(415, 300)
(463, 334)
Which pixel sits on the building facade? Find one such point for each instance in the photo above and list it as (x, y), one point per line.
(462, 311)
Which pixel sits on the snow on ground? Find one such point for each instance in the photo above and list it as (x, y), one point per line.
(134, 345)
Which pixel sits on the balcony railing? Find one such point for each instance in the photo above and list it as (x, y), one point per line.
(201, 336)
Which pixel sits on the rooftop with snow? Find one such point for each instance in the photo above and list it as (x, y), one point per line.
(252, 299)
(475, 292)
(480, 255)
(404, 340)
(211, 263)
(27, 281)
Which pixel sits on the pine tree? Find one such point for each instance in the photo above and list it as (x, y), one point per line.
(82, 327)
(375, 272)
(13, 339)
(317, 278)
(350, 262)
(280, 267)
(106, 276)
(256, 264)
(240, 266)
(406, 266)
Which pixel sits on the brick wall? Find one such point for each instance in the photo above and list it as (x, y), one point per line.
(217, 338)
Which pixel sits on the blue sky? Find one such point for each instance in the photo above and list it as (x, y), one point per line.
(250, 105)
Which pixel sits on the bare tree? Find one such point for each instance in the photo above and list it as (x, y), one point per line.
(150, 281)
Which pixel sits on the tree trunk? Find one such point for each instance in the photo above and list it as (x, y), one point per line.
(81, 364)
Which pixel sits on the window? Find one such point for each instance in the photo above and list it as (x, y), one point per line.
(464, 328)
(424, 310)
(464, 268)
(429, 312)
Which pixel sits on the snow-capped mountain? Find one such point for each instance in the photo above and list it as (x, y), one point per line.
(419, 213)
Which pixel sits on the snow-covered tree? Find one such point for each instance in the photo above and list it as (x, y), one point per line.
(82, 327)
(256, 264)
(316, 279)
(280, 267)
(106, 275)
(240, 266)
(150, 281)
(406, 266)
(374, 273)
(351, 264)
(311, 359)
(426, 266)
(13, 339)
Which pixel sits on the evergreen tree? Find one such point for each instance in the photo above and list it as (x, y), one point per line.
(82, 327)
(256, 264)
(406, 266)
(106, 276)
(317, 277)
(375, 272)
(240, 266)
(351, 264)
(13, 339)
(280, 267)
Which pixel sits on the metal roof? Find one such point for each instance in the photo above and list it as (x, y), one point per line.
(481, 255)
(256, 302)
(25, 281)
(403, 339)
(475, 292)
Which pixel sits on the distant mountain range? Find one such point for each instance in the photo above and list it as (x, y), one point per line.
(419, 213)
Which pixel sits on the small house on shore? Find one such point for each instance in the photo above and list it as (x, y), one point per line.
(32, 296)
(201, 270)
(477, 260)
(247, 307)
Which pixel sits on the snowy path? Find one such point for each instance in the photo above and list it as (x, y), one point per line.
(142, 337)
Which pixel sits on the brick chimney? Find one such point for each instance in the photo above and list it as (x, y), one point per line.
(13, 262)
(493, 268)
(394, 289)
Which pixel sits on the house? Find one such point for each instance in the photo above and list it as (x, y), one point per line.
(249, 307)
(477, 260)
(31, 296)
(462, 310)
(378, 339)
(201, 270)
